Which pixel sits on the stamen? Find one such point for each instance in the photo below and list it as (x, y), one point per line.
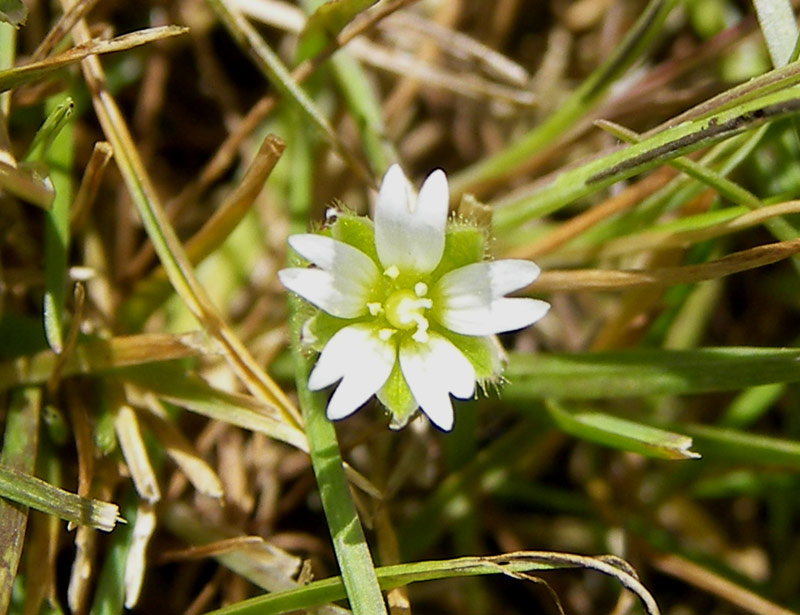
(420, 289)
(386, 334)
(392, 272)
(375, 308)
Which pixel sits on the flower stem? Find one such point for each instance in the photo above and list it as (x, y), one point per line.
(349, 543)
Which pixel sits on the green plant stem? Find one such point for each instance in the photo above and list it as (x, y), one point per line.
(349, 543)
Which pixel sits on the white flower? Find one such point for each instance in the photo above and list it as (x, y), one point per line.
(408, 308)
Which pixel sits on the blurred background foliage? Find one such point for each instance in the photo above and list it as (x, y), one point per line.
(155, 155)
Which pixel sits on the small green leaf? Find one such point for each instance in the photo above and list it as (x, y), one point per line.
(602, 375)
(622, 434)
(323, 26)
(35, 493)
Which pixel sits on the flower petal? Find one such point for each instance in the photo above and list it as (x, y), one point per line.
(433, 371)
(363, 362)
(330, 254)
(338, 297)
(409, 233)
(470, 301)
(344, 282)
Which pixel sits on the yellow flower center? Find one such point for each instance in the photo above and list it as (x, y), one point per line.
(404, 309)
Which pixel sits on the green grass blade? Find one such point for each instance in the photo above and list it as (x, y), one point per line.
(512, 564)
(20, 445)
(739, 447)
(30, 491)
(650, 152)
(53, 143)
(647, 372)
(622, 434)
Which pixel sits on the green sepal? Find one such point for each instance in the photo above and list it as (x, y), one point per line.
(484, 353)
(318, 329)
(357, 231)
(397, 398)
(464, 244)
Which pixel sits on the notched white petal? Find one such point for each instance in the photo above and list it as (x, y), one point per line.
(470, 300)
(336, 295)
(500, 316)
(434, 371)
(489, 279)
(409, 232)
(331, 254)
(361, 359)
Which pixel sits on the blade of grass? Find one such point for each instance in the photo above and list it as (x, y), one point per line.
(622, 434)
(95, 356)
(651, 151)
(604, 375)
(30, 491)
(14, 77)
(609, 279)
(511, 564)
(779, 227)
(20, 445)
(53, 143)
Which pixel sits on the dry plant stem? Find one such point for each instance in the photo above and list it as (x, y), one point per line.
(229, 148)
(90, 184)
(32, 71)
(389, 553)
(710, 581)
(265, 59)
(62, 27)
(225, 219)
(660, 240)
(399, 100)
(599, 279)
(624, 201)
(170, 251)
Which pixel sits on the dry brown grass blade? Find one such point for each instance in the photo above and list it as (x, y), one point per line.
(584, 221)
(227, 216)
(710, 581)
(603, 279)
(36, 70)
(90, 184)
(101, 355)
(64, 24)
(180, 271)
(181, 451)
(137, 460)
